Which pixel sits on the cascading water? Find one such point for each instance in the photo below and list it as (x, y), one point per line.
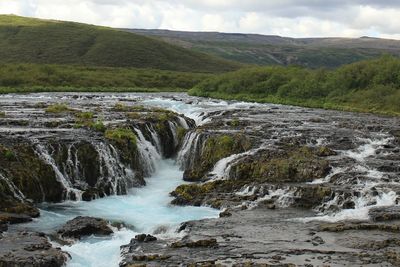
(71, 192)
(11, 186)
(112, 170)
(148, 153)
(372, 190)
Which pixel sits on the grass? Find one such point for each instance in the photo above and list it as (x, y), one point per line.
(367, 86)
(39, 78)
(29, 40)
(121, 135)
(57, 108)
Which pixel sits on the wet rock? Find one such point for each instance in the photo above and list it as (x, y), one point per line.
(385, 213)
(84, 226)
(13, 218)
(3, 227)
(340, 227)
(212, 242)
(145, 238)
(291, 164)
(210, 150)
(29, 249)
(225, 213)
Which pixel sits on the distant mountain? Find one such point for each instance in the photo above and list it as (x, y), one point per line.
(29, 40)
(272, 50)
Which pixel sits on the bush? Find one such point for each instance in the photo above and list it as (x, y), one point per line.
(121, 135)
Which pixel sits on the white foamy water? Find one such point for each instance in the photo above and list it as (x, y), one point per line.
(146, 209)
(361, 210)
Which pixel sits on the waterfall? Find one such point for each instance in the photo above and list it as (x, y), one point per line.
(155, 138)
(186, 155)
(112, 170)
(148, 153)
(183, 123)
(223, 167)
(66, 183)
(173, 127)
(16, 192)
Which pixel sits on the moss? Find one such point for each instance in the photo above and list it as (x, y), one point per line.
(121, 135)
(2, 114)
(289, 165)
(57, 108)
(84, 115)
(181, 132)
(98, 126)
(234, 123)
(199, 194)
(214, 149)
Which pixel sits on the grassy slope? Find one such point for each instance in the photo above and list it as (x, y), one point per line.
(274, 50)
(28, 40)
(37, 78)
(368, 86)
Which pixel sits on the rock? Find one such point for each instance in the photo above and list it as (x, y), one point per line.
(145, 238)
(84, 226)
(212, 242)
(3, 227)
(225, 213)
(385, 213)
(13, 218)
(29, 249)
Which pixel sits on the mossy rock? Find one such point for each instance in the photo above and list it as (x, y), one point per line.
(205, 193)
(214, 149)
(277, 166)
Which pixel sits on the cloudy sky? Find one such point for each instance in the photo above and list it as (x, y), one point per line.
(295, 18)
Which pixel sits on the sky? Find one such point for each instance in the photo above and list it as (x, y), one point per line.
(293, 18)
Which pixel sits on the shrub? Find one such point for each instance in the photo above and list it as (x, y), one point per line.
(121, 135)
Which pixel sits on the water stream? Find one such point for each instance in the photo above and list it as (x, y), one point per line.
(143, 210)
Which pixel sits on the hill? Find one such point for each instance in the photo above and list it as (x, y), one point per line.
(29, 40)
(276, 50)
(367, 86)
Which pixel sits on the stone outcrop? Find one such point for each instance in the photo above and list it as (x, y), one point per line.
(84, 226)
(29, 249)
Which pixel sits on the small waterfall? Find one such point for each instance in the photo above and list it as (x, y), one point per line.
(223, 167)
(174, 127)
(148, 153)
(155, 138)
(186, 155)
(112, 170)
(183, 123)
(16, 192)
(70, 191)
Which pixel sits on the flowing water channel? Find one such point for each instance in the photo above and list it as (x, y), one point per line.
(360, 167)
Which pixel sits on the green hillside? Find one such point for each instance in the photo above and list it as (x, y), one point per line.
(28, 40)
(276, 50)
(368, 86)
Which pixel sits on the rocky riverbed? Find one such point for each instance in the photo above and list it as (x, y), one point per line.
(293, 186)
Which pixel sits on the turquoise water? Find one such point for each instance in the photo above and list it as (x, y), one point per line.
(144, 209)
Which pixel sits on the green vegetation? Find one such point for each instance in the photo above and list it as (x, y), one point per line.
(275, 50)
(57, 108)
(2, 114)
(367, 86)
(214, 149)
(121, 135)
(86, 119)
(61, 78)
(29, 40)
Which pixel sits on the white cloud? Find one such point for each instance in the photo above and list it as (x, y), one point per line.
(297, 18)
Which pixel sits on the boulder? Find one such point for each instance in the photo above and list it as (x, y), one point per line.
(13, 218)
(29, 249)
(385, 213)
(84, 226)
(145, 238)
